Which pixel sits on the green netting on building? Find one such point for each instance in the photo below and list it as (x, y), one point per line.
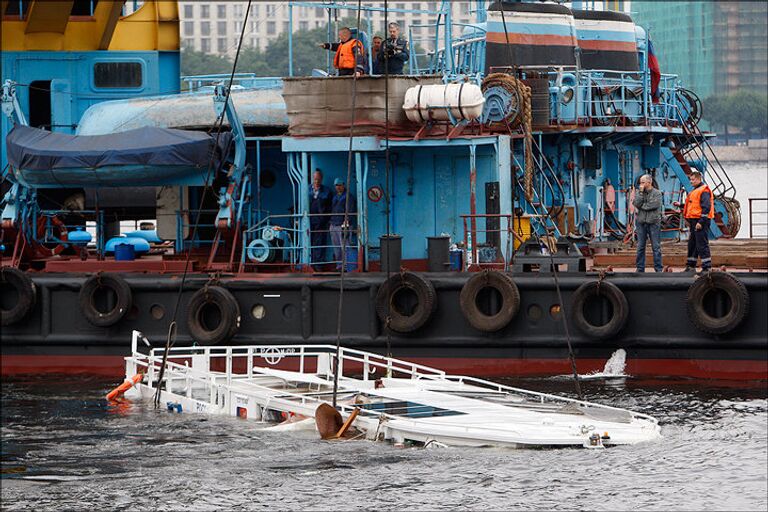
(715, 47)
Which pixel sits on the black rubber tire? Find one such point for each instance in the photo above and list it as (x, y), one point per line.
(510, 300)
(426, 302)
(25, 289)
(123, 303)
(737, 293)
(618, 302)
(229, 311)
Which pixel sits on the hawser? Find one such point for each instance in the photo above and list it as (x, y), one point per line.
(511, 150)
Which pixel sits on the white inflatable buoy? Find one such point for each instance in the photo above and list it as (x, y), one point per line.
(463, 101)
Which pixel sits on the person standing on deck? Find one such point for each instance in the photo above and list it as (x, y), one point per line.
(320, 198)
(394, 52)
(647, 202)
(699, 210)
(339, 228)
(350, 54)
(375, 51)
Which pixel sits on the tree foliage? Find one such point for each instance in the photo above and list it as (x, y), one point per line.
(199, 63)
(745, 110)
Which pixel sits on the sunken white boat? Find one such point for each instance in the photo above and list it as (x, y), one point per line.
(386, 398)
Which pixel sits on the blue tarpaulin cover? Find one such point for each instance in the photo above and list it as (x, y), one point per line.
(35, 149)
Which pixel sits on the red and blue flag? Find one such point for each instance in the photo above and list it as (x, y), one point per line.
(653, 67)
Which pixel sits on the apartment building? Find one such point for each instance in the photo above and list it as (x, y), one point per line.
(214, 27)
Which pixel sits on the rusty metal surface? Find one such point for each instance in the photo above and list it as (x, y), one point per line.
(323, 105)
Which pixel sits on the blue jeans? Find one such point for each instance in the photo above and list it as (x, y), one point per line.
(652, 231)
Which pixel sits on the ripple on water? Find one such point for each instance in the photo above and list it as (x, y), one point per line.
(66, 448)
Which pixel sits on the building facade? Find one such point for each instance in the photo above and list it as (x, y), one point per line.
(214, 27)
(715, 47)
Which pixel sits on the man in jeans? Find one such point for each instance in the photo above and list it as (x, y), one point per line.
(647, 202)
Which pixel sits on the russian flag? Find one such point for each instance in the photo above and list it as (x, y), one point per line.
(653, 67)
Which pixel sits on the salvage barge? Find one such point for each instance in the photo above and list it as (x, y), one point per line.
(525, 163)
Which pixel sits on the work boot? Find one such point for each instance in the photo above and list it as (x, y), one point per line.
(689, 269)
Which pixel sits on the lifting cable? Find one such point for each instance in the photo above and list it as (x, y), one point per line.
(387, 198)
(526, 129)
(171, 337)
(345, 228)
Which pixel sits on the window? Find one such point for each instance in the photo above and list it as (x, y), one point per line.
(238, 27)
(400, 6)
(319, 12)
(432, 6)
(238, 10)
(117, 75)
(205, 45)
(221, 45)
(304, 11)
(285, 26)
(221, 28)
(416, 6)
(221, 11)
(254, 26)
(188, 11)
(271, 28)
(255, 10)
(205, 11)
(303, 25)
(318, 24)
(271, 10)
(82, 8)
(189, 28)
(205, 28)
(189, 44)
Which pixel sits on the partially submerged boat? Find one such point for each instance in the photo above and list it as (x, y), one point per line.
(382, 397)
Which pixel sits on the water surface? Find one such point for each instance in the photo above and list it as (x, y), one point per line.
(63, 447)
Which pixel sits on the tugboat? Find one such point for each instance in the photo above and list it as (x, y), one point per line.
(483, 181)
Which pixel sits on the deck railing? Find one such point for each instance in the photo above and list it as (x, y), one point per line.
(753, 212)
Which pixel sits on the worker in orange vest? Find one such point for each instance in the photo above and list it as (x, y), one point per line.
(350, 54)
(699, 211)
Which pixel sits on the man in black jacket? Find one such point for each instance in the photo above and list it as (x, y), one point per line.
(394, 52)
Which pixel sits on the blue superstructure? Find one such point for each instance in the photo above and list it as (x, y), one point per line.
(569, 126)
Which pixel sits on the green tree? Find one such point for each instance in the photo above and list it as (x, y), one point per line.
(748, 112)
(199, 63)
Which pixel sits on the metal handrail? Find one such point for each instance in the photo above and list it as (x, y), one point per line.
(752, 223)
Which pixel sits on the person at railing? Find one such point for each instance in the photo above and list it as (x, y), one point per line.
(339, 227)
(699, 210)
(394, 53)
(350, 54)
(648, 203)
(375, 51)
(320, 199)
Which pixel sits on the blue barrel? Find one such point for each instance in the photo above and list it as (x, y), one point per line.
(351, 259)
(457, 260)
(124, 252)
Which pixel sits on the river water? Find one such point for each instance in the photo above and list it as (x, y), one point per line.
(63, 447)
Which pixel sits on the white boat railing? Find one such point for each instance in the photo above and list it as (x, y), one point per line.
(318, 356)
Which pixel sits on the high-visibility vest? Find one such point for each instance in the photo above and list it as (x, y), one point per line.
(692, 208)
(345, 54)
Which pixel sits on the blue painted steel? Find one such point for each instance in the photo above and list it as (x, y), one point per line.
(139, 245)
(79, 236)
(125, 252)
(150, 235)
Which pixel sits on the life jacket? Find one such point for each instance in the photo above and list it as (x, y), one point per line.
(345, 57)
(692, 208)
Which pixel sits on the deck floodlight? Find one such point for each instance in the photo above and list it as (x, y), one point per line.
(584, 142)
(670, 143)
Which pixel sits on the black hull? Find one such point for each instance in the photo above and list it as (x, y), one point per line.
(659, 338)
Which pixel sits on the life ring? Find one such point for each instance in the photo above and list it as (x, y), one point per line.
(213, 315)
(471, 299)
(405, 302)
(123, 299)
(127, 384)
(25, 290)
(619, 307)
(42, 251)
(698, 299)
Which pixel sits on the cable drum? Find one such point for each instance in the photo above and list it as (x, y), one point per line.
(508, 103)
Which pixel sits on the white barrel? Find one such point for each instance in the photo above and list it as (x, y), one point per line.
(464, 101)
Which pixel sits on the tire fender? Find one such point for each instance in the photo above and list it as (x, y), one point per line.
(510, 300)
(388, 302)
